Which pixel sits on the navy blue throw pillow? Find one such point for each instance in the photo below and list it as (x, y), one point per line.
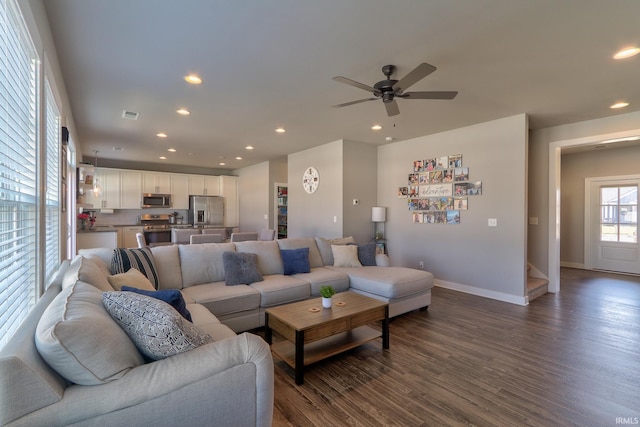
(173, 297)
(367, 254)
(295, 260)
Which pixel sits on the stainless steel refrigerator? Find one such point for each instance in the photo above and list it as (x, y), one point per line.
(206, 210)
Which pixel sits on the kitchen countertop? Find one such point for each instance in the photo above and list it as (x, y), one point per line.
(100, 229)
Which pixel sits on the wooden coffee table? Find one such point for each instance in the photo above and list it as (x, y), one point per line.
(314, 333)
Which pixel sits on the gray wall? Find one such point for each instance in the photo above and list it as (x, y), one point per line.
(360, 182)
(253, 197)
(538, 236)
(471, 256)
(575, 168)
(347, 171)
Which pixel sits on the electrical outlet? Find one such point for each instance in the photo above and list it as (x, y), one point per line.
(421, 265)
(493, 222)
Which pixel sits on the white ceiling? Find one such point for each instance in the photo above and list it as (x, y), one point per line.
(269, 63)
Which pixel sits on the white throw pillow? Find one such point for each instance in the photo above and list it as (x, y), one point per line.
(345, 256)
(133, 278)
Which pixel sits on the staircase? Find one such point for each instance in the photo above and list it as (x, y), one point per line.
(536, 286)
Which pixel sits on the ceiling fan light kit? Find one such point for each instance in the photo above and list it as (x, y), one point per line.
(390, 89)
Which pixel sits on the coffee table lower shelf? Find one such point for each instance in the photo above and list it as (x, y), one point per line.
(326, 347)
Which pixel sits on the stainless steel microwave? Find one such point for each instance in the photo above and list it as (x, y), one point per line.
(152, 200)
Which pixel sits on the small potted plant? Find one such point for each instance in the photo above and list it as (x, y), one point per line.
(327, 292)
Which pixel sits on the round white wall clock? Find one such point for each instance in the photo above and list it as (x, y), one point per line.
(310, 180)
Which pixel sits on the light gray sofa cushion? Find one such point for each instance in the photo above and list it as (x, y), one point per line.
(324, 246)
(203, 263)
(315, 259)
(77, 337)
(279, 289)
(388, 282)
(221, 299)
(87, 270)
(322, 276)
(156, 328)
(167, 259)
(269, 259)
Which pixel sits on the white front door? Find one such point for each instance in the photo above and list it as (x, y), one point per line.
(612, 224)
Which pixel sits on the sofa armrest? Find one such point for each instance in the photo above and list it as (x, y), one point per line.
(229, 380)
(382, 260)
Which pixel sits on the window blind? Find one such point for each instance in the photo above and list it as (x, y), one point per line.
(18, 191)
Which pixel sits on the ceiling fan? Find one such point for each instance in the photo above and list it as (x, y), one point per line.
(390, 89)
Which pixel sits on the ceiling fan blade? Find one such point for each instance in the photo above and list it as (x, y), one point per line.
(353, 102)
(354, 84)
(418, 73)
(430, 95)
(392, 108)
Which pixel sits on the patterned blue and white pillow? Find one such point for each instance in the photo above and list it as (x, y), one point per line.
(155, 327)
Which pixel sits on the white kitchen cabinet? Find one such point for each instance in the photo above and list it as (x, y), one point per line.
(156, 182)
(179, 191)
(129, 236)
(109, 182)
(204, 185)
(229, 190)
(130, 189)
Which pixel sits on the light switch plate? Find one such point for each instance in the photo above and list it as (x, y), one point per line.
(493, 222)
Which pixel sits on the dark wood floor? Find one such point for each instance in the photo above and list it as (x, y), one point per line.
(567, 359)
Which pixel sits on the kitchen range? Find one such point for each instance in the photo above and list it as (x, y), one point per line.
(157, 227)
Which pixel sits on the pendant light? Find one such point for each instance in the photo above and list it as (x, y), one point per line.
(97, 190)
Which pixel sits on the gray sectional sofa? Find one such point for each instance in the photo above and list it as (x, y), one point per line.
(226, 382)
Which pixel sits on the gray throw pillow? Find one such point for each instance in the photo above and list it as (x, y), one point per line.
(155, 327)
(241, 268)
(367, 254)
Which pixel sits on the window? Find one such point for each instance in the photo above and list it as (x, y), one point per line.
(52, 185)
(619, 214)
(19, 91)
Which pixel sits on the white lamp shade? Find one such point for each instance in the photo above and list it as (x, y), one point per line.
(378, 214)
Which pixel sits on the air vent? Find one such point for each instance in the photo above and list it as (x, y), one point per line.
(118, 149)
(131, 115)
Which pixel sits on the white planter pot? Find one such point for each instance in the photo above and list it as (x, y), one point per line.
(326, 302)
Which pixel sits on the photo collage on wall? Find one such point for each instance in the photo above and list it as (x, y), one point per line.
(438, 189)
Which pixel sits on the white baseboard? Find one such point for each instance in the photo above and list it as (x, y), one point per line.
(500, 296)
(578, 265)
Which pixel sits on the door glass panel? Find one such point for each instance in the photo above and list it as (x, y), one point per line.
(619, 214)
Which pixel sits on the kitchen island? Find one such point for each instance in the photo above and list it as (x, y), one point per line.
(102, 236)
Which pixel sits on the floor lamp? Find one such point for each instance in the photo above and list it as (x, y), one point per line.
(378, 214)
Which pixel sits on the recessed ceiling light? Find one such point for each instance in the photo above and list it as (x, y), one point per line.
(172, 150)
(238, 158)
(248, 147)
(192, 79)
(183, 111)
(389, 138)
(619, 105)
(161, 135)
(222, 164)
(280, 130)
(376, 127)
(162, 158)
(627, 52)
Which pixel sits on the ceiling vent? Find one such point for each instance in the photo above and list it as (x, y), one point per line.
(131, 115)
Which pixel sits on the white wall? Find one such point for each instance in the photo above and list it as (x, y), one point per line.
(471, 256)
